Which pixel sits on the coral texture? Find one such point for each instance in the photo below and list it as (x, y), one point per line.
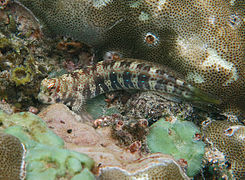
(12, 153)
(177, 139)
(154, 105)
(82, 137)
(229, 139)
(45, 157)
(20, 68)
(154, 166)
(111, 161)
(203, 40)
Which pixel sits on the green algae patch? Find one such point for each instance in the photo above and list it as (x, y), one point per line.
(45, 157)
(177, 139)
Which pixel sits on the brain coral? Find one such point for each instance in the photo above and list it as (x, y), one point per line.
(12, 152)
(204, 40)
(228, 138)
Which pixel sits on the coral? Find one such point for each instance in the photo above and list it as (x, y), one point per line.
(45, 156)
(12, 153)
(178, 140)
(129, 131)
(34, 126)
(154, 105)
(26, 56)
(21, 75)
(228, 139)
(154, 166)
(75, 88)
(67, 125)
(203, 40)
(80, 136)
(99, 145)
(79, 55)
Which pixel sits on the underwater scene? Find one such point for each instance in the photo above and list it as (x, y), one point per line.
(122, 89)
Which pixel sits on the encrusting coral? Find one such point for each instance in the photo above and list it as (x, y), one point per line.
(111, 161)
(203, 40)
(229, 139)
(179, 139)
(45, 157)
(20, 72)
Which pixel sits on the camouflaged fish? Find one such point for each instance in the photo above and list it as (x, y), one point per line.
(75, 88)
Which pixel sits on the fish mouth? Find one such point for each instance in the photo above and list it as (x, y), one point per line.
(43, 98)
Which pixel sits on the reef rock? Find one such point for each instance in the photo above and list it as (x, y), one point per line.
(69, 126)
(82, 137)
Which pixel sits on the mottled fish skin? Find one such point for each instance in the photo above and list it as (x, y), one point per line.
(75, 88)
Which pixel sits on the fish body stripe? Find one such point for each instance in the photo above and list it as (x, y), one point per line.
(111, 75)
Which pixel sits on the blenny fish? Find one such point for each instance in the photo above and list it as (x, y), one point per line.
(75, 88)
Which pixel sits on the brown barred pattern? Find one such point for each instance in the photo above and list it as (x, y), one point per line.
(73, 89)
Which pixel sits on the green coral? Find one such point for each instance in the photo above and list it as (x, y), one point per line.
(177, 139)
(45, 158)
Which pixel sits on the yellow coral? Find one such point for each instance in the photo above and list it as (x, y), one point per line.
(21, 75)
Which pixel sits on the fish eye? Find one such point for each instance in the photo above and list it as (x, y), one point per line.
(151, 39)
(51, 86)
